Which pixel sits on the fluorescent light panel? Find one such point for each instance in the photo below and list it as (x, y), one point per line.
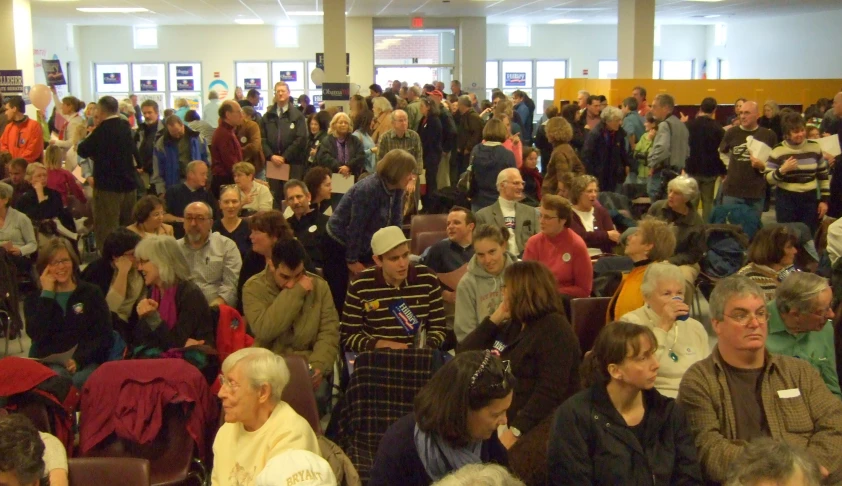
(112, 9)
(564, 21)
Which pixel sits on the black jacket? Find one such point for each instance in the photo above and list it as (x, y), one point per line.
(397, 461)
(605, 156)
(285, 135)
(430, 131)
(194, 320)
(544, 357)
(590, 443)
(86, 323)
(37, 211)
(114, 152)
(690, 244)
(328, 156)
(448, 129)
(705, 137)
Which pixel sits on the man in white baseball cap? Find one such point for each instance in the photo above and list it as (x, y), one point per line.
(389, 304)
(296, 468)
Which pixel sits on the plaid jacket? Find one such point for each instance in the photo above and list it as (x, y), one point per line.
(799, 409)
(381, 391)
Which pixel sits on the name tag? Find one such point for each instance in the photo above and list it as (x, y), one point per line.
(791, 393)
(405, 317)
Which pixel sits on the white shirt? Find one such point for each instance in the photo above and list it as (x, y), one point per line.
(508, 209)
(586, 217)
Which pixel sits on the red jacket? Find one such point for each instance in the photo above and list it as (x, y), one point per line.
(225, 150)
(21, 375)
(24, 139)
(128, 398)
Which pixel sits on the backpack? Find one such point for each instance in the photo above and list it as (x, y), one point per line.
(726, 252)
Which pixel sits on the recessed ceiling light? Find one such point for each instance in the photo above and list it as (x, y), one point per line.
(564, 21)
(112, 9)
(249, 21)
(712, 16)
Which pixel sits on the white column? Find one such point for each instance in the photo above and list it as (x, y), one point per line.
(16, 38)
(635, 38)
(334, 41)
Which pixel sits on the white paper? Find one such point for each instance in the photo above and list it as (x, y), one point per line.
(791, 393)
(758, 149)
(830, 145)
(58, 358)
(340, 183)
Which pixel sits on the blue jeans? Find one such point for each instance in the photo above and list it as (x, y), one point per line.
(79, 378)
(754, 203)
(653, 186)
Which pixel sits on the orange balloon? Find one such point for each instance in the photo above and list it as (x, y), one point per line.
(40, 96)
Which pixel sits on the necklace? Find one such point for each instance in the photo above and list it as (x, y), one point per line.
(670, 352)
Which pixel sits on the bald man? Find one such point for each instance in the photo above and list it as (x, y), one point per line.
(745, 182)
(520, 219)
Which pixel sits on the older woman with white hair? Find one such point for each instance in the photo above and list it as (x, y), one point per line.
(480, 475)
(177, 314)
(681, 340)
(340, 151)
(258, 424)
(17, 236)
(604, 154)
(679, 209)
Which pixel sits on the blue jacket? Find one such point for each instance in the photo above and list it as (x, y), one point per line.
(166, 153)
(487, 161)
(367, 207)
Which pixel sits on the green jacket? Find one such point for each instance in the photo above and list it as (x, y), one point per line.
(816, 348)
(293, 321)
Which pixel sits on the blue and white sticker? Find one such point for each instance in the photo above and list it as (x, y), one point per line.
(405, 317)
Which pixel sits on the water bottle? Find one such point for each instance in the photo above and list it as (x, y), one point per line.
(682, 317)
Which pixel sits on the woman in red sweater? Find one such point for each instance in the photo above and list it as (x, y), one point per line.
(590, 220)
(60, 179)
(561, 249)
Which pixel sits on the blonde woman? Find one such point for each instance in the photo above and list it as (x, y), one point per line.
(182, 106)
(382, 118)
(254, 196)
(341, 152)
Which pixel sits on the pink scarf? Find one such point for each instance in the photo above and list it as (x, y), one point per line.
(166, 305)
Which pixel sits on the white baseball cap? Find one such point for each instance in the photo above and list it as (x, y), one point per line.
(296, 468)
(386, 239)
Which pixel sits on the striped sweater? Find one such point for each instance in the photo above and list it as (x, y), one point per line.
(372, 309)
(812, 171)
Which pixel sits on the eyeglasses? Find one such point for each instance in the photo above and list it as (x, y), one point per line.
(743, 318)
(546, 218)
(823, 312)
(225, 382)
(196, 219)
(64, 261)
(507, 368)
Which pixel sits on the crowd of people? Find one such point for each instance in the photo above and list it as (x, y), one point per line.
(198, 217)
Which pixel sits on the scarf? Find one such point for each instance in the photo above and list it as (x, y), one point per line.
(342, 150)
(166, 305)
(440, 458)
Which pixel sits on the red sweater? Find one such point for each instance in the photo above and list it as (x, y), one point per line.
(567, 257)
(225, 150)
(63, 182)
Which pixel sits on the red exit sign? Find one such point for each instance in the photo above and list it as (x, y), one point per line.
(417, 22)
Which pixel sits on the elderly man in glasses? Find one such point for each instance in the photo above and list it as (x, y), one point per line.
(742, 392)
(214, 260)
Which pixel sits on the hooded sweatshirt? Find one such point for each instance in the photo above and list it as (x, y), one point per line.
(477, 296)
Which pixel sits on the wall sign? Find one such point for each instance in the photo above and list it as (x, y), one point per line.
(184, 85)
(184, 70)
(11, 82)
(149, 85)
(515, 79)
(320, 62)
(289, 76)
(336, 91)
(252, 83)
(111, 78)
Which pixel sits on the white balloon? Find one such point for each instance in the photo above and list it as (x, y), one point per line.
(355, 89)
(317, 76)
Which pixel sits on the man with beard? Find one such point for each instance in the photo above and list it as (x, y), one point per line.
(307, 224)
(214, 260)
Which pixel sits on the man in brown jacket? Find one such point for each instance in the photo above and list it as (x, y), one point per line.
(291, 311)
(249, 135)
(741, 391)
(468, 134)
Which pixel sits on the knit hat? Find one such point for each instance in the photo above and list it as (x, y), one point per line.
(296, 468)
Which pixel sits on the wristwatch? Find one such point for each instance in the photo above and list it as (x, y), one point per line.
(515, 432)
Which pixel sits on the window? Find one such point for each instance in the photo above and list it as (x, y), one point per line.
(290, 72)
(112, 79)
(519, 36)
(186, 82)
(546, 72)
(657, 37)
(254, 75)
(492, 76)
(517, 75)
(720, 35)
(656, 69)
(607, 69)
(149, 82)
(286, 36)
(145, 37)
(677, 69)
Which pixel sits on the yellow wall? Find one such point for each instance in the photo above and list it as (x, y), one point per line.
(784, 91)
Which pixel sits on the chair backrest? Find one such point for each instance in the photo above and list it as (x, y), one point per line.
(299, 391)
(425, 240)
(588, 318)
(125, 471)
(422, 223)
(381, 391)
